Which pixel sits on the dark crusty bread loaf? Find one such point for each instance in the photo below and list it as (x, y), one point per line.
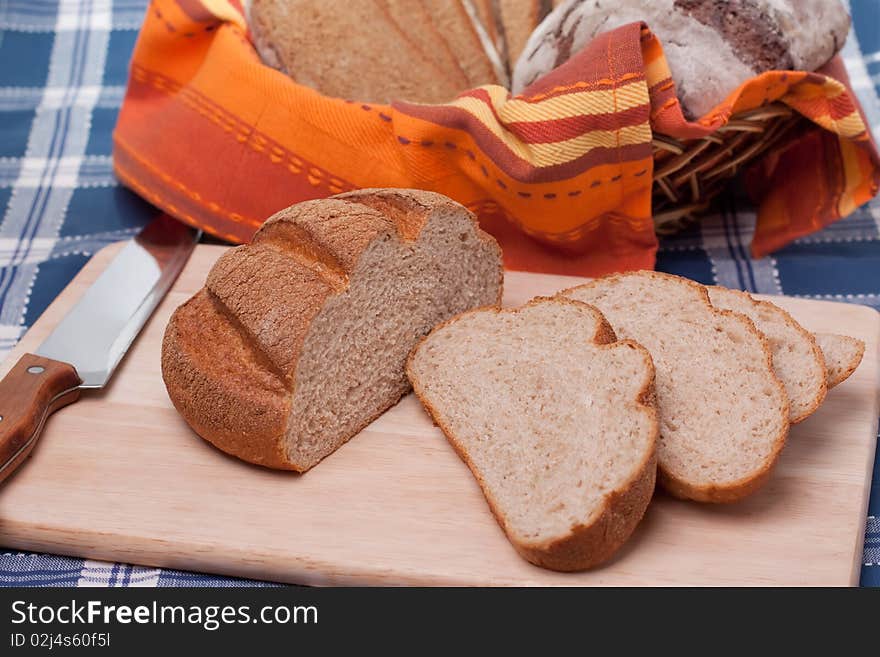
(555, 419)
(712, 46)
(299, 339)
(724, 414)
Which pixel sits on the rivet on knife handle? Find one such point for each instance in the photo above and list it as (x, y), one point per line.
(33, 389)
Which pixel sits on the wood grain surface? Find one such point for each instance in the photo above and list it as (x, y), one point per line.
(119, 476)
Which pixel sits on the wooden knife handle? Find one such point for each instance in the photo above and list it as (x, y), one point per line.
(33, 389)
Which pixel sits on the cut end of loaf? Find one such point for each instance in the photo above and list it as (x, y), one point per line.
(555, 420)
(351, 368)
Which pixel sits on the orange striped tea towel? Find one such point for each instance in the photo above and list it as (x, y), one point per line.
(561, 175)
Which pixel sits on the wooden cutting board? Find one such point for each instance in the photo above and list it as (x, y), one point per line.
(119, 476)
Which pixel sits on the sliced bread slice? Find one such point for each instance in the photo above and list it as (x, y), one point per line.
(554, 418)
(723, 411)
(797, 359)
(842, 355)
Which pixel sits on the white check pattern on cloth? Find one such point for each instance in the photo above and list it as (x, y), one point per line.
(67, 15)
(63, 69)
(103, 574)
(49, 170)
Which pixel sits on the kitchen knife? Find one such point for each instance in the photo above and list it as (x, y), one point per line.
(87, 345)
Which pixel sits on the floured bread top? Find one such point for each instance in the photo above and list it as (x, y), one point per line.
(711, 46)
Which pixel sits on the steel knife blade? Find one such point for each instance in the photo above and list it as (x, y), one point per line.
(83, 350)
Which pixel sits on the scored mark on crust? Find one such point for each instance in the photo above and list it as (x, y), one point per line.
(407, 215)
(247, 339)
(294, 242)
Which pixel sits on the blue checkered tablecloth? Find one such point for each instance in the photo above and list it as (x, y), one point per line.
(63, 68)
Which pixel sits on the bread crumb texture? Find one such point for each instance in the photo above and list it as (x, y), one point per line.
(554, 418)
(724, 414)
(796, 357)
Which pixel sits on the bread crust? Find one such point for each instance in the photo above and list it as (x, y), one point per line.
(236, 414)
(409, 202)
(229, 365)
(858, 352)
(518, 19)
(586, 545)
(745, 486)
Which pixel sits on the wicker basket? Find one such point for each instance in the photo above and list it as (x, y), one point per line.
(688, 175)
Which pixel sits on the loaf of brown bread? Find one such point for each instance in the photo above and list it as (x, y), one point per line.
(518, 19)
(299, 339)
(375, 50)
